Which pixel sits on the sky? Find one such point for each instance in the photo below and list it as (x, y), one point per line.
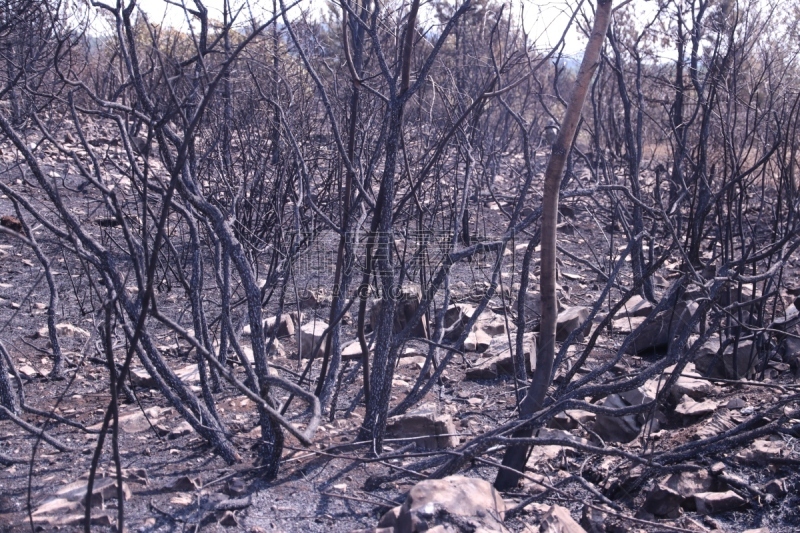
(544, 20)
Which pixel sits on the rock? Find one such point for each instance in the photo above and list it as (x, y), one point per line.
(762, 451)
(455, 503)
(533, 306)
(477, 341)
(663, 502)
(141, 378)
(181, 430)
(233, 504)
(687, 484)
(312, 299)
(389, 518)
(27, 371)
(312, 335)
(719, 423)
(493, 325)
(569, 320)
(455, 319)
(497, 359)
(228, 519)
(406, 306)
(572, 419)
(727, 366)
(616, 428)
(439, 430)
(558, 520)
(695, 388)
(236, 486)
(545, 454)
(636, 307)
(718, 502)
(626, 324)
(187, 484)
(641, 395)
(593, 520)
(352, 351)
(690, 408)
(667, 325)
(286, 326)
(776, 488)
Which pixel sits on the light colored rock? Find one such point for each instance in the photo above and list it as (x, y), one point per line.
(626, 324)
(718, 502)
(352, 351)
(472, 503)
(667, 325)
(477, 341)
(312, 335)
(187, 374)
(27, 371)
(558, 520)
(136, 421)
(691, 408)
(636, 307)
(570, 320)
(438, 429)
(763, 451)
(694, 387)
(687, 484)
(720, 422)
(572, 419)
(181, 430)
(65, 330)
(493, 325)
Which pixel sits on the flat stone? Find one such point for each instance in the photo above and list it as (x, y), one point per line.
(667, 325)
(691, 408)
(718, 502)
(406, 305)
(663, 502)
(477, 341)
(181, 430)
(636, 306)
(311, 336)
(558, 520)
(438, 430)
(728, 365)
(616, 428)
(431, 504)
(570, 320)
(762, 451)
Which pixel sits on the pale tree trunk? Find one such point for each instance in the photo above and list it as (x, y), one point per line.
(515, 456)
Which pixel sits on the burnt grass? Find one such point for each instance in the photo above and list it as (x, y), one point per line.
(329, 487)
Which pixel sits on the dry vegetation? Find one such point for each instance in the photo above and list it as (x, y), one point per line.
(270, 273)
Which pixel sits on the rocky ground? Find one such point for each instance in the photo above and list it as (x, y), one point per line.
(587, 470)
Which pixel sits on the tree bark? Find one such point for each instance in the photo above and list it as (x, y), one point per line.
(516, 456)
